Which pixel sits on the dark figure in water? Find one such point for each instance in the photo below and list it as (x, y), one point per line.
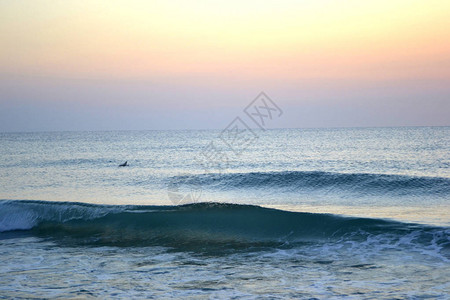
(124, 164)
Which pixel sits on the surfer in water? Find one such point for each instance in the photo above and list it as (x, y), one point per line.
(124, 164)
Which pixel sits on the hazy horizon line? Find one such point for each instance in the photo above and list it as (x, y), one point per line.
(219, 129)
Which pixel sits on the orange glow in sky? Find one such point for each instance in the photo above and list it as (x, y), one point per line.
(144, 64)
(249, 39)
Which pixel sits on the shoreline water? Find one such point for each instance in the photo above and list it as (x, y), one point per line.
(351, 213)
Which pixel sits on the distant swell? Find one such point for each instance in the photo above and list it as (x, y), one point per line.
(201, 226)
(368, 184)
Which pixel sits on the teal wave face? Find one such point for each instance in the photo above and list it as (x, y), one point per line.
(202, 226)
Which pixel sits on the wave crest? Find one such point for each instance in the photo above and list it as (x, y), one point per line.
(375, 184)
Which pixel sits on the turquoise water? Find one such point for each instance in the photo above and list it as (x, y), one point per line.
(313, 213)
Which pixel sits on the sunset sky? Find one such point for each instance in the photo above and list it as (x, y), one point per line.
(101, 65)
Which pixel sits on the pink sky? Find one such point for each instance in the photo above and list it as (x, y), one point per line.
(160, 64)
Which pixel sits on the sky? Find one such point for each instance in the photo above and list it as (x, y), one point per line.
(129, 64)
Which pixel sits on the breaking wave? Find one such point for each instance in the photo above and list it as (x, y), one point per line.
(206, 226)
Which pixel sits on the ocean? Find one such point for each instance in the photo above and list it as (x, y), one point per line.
(354, 213)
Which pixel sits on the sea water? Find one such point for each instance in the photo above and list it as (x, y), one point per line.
(284, 213)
